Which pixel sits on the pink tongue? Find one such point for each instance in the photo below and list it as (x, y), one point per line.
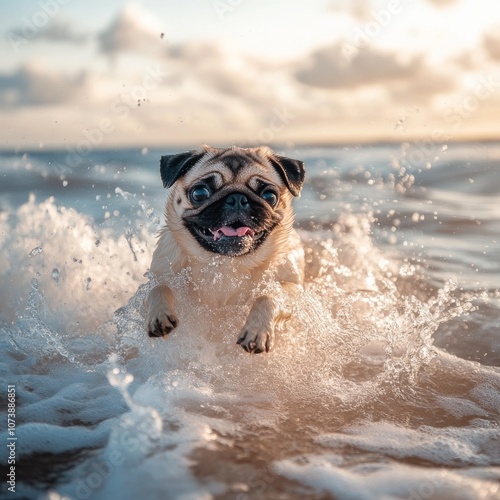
(230, 231)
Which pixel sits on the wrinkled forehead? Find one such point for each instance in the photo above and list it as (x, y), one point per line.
(233, 168)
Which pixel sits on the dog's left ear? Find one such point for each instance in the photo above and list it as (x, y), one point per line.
(172, 167)
(291, 171)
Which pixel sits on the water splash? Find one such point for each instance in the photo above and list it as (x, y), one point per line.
(141, 428)
(34, 326)
(119, 378)
(360, 337)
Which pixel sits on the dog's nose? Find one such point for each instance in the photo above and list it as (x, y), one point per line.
(237, 201)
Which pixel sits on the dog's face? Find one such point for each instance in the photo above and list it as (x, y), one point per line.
(230, 201)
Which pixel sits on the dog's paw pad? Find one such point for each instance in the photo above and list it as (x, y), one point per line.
(173, 321)
(162, 325)
(255, 343)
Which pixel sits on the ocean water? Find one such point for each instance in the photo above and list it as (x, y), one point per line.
(384, 384)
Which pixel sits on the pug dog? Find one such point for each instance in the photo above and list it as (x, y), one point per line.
(229, 221)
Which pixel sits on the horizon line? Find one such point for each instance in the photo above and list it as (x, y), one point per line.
(283, 145)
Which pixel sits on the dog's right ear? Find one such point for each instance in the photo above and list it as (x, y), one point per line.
(172, 167)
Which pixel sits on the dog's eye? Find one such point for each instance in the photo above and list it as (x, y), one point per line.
(199, 194)
(270, 196)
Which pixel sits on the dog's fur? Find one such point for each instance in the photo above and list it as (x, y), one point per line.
(217, 221)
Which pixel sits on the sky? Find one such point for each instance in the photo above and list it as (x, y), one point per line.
(88, 75)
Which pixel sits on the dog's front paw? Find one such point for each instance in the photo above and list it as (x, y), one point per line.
(161, 318)
(256, 338)
(258, 333)
(161, 324)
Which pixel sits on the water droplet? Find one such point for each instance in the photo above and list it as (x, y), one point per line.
(36, 251)
(55, 275)
(120, 379)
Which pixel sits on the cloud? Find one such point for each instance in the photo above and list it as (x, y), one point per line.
(57, 31)
(63, 31)
(330, 68)
(207, 68)
(213, 91)
(217, 68)
(133, 30)
(358, 9)
(468, 60)
(33, 84)
(443, 3)
(411, 79)
(422, 88)
(492, 45)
